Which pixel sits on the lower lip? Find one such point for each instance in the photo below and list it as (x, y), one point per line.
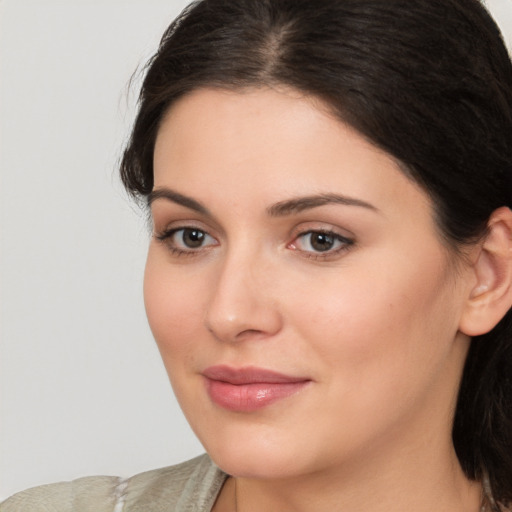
(250, 397)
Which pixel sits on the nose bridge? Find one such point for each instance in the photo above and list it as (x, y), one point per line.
(241, 301)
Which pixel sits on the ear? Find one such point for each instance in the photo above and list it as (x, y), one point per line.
(490, 295)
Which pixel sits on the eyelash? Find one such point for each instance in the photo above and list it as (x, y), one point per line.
(167, 235)
(345, 244)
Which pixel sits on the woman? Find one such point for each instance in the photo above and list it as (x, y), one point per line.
(329, 279)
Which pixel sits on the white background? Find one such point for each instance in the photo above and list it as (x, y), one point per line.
(82, 388)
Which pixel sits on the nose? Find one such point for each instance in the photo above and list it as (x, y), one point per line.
(242, 303)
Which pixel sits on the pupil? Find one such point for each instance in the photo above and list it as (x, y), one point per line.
(322, 242)
(193, 238)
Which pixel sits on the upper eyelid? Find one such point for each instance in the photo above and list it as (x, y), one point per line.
(160, 221)
(328, 230)
(300, 230)
(177, 224)
(169, 231)
(322, 227)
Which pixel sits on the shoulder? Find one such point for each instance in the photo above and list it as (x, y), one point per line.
(84, 494)
(196, 481)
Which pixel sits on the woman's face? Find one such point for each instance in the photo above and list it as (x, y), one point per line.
(305, 308)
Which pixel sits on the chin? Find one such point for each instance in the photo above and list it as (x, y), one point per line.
(260, 453)
(257, 464)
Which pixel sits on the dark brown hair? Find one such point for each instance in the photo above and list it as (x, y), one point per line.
(428, 81)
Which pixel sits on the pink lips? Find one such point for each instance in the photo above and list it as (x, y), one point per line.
(249, 389)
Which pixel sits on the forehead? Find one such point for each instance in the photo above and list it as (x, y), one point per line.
(265, 143)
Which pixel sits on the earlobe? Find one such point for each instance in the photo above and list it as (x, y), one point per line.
(490, 296)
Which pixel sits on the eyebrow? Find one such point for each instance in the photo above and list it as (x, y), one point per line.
(300, 204)
(176, 197)
(280, 209)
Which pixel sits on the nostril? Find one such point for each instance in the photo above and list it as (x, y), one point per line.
(251, 334)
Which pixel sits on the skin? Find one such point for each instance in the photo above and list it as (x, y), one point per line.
(373, 322)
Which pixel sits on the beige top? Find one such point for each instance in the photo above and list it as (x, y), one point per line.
(192, 486)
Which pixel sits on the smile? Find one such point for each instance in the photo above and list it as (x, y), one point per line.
(249, 389)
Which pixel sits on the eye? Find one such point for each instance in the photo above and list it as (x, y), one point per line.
(190, 238)
(318, 242)
(186, 240)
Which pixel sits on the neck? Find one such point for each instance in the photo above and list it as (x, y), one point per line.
(398, 481)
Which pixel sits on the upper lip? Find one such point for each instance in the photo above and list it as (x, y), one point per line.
(248, 375)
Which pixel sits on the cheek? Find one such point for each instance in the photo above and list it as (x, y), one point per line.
(382, 347)
(383, 320)
(173, 307)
